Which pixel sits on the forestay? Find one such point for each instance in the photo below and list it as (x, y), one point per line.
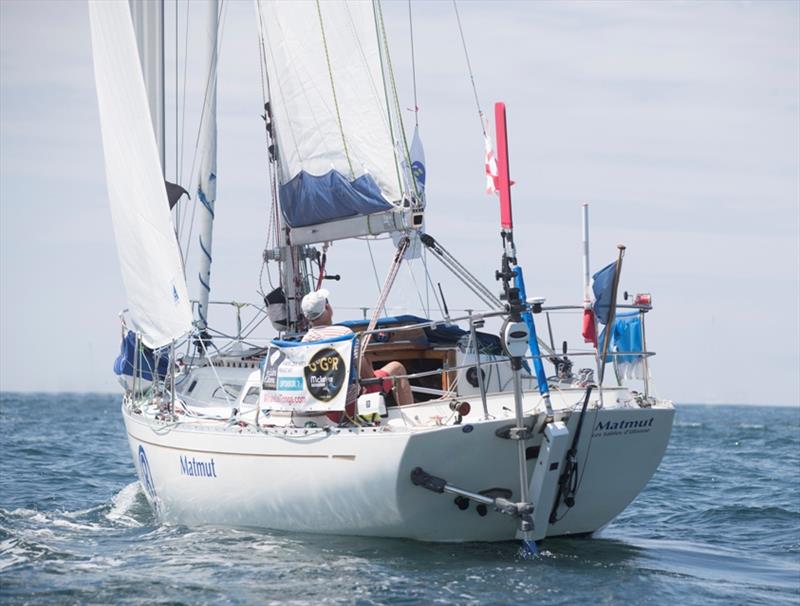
(336, 150)
(148, 252)
(304, 377)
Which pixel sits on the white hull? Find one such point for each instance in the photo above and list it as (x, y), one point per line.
(357, 481)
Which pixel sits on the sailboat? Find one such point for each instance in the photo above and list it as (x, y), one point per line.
(237, 431)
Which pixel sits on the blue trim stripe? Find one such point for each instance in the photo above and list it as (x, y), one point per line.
(205, 202)
(281, 343)
(204, 249)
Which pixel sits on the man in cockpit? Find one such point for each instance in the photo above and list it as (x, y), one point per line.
(317, 309)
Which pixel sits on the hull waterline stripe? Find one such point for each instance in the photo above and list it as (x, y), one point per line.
(237, 454)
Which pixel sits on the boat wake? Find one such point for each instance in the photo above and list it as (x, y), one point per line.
(126, 507)
(30, 535)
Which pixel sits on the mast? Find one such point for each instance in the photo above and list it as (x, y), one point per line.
(207, 177)
(148, 24)
(331, 133)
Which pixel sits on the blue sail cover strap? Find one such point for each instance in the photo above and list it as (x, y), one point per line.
(541, 378)
(309, 200)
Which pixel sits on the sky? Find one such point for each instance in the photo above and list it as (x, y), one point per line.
(677, 122)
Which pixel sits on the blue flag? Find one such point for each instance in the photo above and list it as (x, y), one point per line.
(603, 285)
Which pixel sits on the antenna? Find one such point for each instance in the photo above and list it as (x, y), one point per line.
(444, 303)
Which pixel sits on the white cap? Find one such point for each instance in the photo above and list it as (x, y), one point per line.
(313, 304)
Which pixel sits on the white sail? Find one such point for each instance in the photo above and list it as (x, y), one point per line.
(151, 265)
(207, 177)
(335, 144)
(148, 25)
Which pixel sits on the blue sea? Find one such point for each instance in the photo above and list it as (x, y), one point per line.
(718, 524)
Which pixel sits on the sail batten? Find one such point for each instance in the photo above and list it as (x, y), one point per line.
(152, 270)
(335, 146)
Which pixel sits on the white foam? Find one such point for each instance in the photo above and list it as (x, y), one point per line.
(121, 504)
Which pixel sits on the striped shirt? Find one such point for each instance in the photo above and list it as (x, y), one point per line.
(321, 333)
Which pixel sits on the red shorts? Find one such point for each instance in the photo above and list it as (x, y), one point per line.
(385, 386)
(350, 409)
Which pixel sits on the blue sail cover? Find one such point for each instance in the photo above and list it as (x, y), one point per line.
(148, 363)
(309, 200)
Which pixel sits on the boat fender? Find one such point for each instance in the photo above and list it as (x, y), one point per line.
(512, 432)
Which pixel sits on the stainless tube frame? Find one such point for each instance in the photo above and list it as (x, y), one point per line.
(477, 350)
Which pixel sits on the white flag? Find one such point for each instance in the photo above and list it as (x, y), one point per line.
(417, 156)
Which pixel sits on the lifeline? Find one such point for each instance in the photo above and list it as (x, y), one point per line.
(197, 468)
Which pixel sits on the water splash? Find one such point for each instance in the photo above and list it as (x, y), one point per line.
(123, 503)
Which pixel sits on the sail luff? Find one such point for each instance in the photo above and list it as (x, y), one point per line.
(148, 251)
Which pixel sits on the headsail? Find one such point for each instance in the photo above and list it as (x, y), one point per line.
(148, 26)
(339, 176)
(146, 244)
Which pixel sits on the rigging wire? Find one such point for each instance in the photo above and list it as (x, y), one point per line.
(374, 268)
(177, 158)
(377, 9)
(272, 239)
(416, 287)
(333, 91)
(212, 75)
(366, 65)
(185, 79)
(386, 91)
(413, 66)
(430, 284)
(469, 68)
(424, 259)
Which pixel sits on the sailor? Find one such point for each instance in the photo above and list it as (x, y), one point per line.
(317, 309)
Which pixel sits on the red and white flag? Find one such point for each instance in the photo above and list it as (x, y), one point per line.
(491, 166)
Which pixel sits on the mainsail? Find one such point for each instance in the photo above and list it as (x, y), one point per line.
(151, 265)
(338, 171)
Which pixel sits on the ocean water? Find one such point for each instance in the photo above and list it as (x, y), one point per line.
(718, 524)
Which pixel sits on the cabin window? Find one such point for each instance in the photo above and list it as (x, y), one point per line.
(226, 391)
(252, 395)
